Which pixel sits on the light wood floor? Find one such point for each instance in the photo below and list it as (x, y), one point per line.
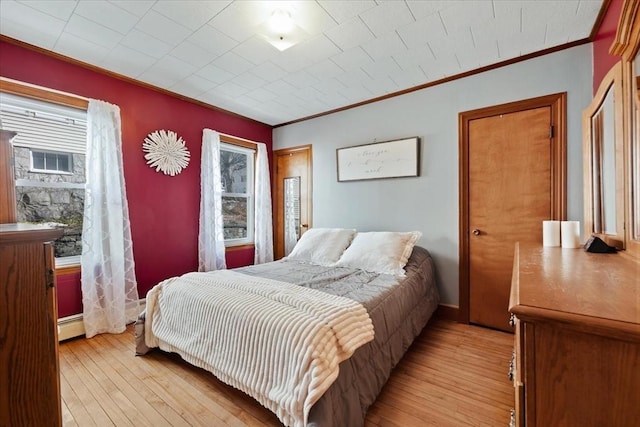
(453, 375)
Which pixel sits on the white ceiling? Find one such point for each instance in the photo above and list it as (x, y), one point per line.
(354, 50)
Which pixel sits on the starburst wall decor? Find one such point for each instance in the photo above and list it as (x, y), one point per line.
(166, 152)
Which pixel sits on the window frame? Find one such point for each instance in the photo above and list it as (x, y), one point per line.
(232, 141)
(52, 96)
(230, 144)
(69, 157)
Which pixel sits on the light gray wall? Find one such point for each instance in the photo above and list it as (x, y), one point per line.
(429, 203)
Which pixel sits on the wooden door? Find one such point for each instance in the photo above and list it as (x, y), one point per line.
(513, 183)
(291, 163)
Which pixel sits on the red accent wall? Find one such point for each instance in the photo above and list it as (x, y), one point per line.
(163, 210)
(602, 60)
(69, 294)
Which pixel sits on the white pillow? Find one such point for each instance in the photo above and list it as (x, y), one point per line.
(322, 246)
(383, 252)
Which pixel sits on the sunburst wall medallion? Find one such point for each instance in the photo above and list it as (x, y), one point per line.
(166, 152)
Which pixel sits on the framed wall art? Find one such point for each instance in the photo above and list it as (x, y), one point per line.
(166, 152)
(388, 159)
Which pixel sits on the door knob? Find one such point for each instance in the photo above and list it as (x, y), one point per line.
(476, 232)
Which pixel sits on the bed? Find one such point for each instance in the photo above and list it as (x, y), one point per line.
(398, 298)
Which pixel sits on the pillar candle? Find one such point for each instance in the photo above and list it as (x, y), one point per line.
(551, 233)
(570, 234)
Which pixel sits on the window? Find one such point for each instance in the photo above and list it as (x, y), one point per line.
(49, 162)
(236, 166)
(43, 161)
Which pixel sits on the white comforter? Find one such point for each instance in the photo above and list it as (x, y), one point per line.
(278, 342)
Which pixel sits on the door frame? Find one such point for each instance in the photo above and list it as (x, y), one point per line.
(276, 209)
(558, 104)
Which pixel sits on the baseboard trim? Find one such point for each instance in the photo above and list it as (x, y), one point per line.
(447, 312)
(73, 326)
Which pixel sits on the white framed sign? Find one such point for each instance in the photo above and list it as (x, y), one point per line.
(388, 159)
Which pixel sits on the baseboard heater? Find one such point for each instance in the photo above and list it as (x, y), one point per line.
(73, 326)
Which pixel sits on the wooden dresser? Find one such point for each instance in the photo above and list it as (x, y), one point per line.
(577, 350)
(29, 369)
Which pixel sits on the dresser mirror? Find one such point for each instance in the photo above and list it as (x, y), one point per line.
(603, 161)
(291, 213)
(627, 45)
(634, 232)
(624, 79)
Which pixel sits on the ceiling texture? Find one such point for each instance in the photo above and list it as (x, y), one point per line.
(346, 52)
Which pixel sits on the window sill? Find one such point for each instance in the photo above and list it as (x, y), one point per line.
(68, 265)
(51, 172)
(68, 261)
(239, 247)
(69, 269)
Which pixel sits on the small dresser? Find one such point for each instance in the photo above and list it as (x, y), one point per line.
(577, 338)
(29, 369)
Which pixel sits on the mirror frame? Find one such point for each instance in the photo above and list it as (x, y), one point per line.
(612, 80)
(627, 45)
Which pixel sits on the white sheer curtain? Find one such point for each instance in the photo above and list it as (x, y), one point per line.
(109, 288)
(263, 229)
(211, 251)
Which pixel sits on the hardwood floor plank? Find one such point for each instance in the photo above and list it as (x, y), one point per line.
(249, 411)
(453, 375)
(67, 416)
(155, 392)
(103, 387)
(219, 396)
(146, 386)
(441, 400)
(168, 387)
(485, 390)
(135, 407)
(81, 382)
(77, 410)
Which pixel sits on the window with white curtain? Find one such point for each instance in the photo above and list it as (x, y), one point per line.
(49, 163)
(237, 173)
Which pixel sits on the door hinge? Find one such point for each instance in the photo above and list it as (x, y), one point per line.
(550, 131)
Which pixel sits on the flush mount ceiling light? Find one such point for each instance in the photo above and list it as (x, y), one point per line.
(280, 21)
(280, 30)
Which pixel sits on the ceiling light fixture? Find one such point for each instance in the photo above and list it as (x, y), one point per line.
(281, 31)
(281, 22)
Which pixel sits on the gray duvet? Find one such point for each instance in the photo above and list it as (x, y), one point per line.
(399, 309)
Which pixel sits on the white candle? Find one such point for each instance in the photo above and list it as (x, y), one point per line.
(570, 234)
(551, 233)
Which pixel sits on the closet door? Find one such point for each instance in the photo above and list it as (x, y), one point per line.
(512, 180)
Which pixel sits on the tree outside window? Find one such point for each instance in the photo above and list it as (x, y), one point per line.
(236, 165)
